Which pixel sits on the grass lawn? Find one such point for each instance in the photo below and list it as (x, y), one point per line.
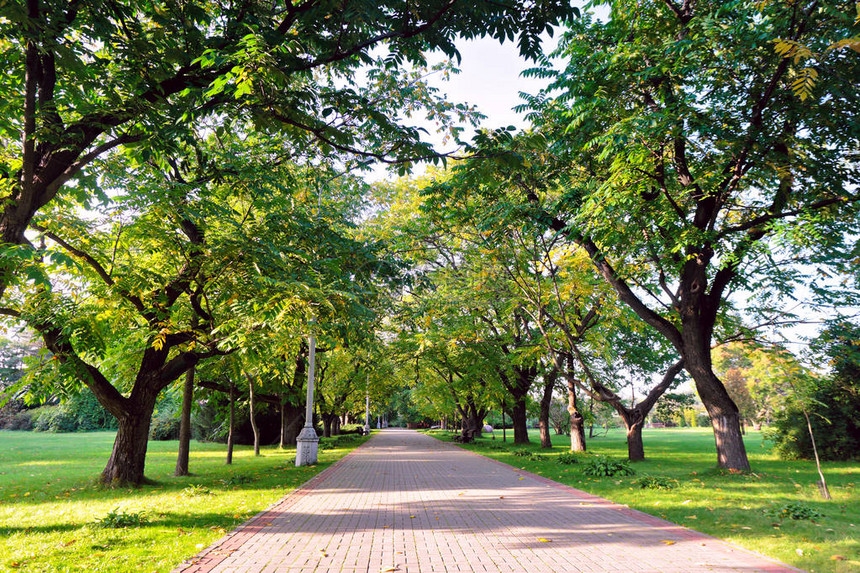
(50, 505)
(742, 509)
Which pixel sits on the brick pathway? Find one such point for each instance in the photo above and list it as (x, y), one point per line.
(406, 502)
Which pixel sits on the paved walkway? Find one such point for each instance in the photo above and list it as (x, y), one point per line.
(406, 502)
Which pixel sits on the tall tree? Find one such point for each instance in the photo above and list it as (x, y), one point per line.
(684, 168)
(85, 78)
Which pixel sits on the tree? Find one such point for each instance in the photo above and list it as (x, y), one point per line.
(85, 79)
(682, 168)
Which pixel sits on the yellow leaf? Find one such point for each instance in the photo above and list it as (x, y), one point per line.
(544, 540)
(668, 542)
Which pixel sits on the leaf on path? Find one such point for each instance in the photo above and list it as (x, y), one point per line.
(390, 569)
(411, 517)
(668, 542)
(544, 540)
(522, 478)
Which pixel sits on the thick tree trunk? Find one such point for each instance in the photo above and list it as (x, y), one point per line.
(519, 419)
(725, 418)
(230, 429)
(635, 447)
(185, 425)
(253, 417)
(577, 422)
(327, 421)
(335, 426)
(545, 403)
(127, 460)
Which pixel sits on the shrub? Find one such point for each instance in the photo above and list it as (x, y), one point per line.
(195, 490)
(165, 426)
(54, 419)
(567, 458)
(116, 519)
(238, 479)
(607, 467)
(795, 510)
(521, 453)
(833, 416)
(656, 482)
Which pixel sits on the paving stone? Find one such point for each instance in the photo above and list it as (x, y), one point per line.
(407, 503)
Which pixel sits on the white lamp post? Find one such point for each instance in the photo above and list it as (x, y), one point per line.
(307, 442)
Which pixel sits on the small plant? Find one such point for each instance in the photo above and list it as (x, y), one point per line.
(656, 482)
(795, 510)
(116, 519)
(521, 453)
(607, 467)
(237, 479)
(194, 490)
(567, 458)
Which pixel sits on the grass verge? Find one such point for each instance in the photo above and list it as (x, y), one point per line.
(53, 517)
(776, 510)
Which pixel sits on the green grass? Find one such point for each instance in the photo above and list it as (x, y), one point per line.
(740, 508)
(53, 516)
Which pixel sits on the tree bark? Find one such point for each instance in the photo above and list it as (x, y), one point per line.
(577, 422)
(327, 420)
(128, 458)
(230, 429)
(519, 419)
(335, 426)
(185, 425)
(633, 422)
(545, 403)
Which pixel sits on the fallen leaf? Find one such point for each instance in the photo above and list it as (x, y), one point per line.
(694, 517)
(668, 542)
(837, 558)
(522, 478)
(685, 502)
(544, 540)
(411, 517)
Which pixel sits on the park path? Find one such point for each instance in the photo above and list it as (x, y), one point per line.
(406, 502)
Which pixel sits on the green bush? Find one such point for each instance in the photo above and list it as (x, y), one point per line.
(54, 419)
(116, 519)
(798, 511)
(165, 426)
(655, 482)
(607, 467)
(567, 458)
(833, 416)
(521, 453)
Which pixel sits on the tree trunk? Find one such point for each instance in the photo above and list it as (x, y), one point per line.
(327, 422)
(335, 427)
(635, 447)
(545, 403)
(504, 425)
(185, 425)
(519, 419)
(725, 418)
(127, 460)
(577, 422)
(230, 429)
(253, 417)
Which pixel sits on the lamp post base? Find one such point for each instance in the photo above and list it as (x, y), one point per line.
(307, 444)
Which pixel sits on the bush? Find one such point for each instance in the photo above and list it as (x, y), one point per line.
(56, 419)
(14, 416)
(655, 482)
(567, 458)
(833, 416)
(117, 519)
(165, 426)
(607, 467)
(798, 511)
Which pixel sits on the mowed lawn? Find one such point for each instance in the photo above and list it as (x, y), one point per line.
(742, 509)
(50, 504)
